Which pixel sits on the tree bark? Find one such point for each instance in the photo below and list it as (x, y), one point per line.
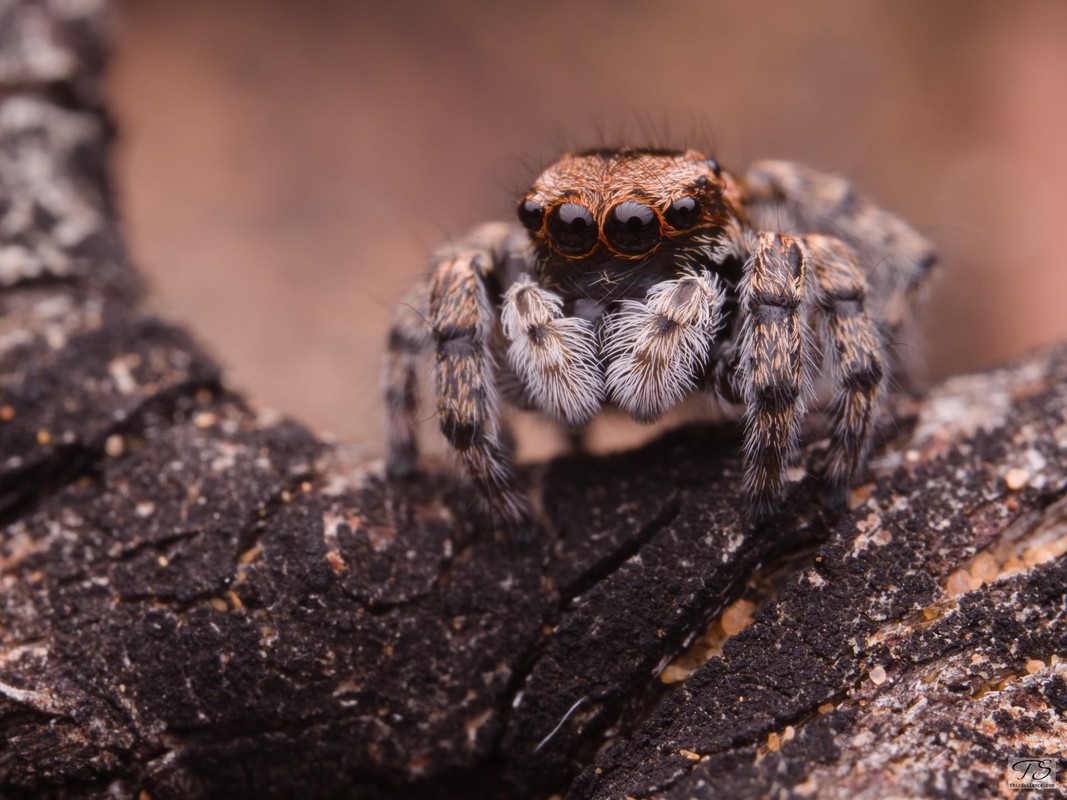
(200, 600)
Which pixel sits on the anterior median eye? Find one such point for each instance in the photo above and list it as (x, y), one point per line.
(572, 228)
(632, 227)
(531, 215)
(682, 213)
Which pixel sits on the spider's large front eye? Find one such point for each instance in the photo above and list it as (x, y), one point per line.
(632, 227)
(572, 228)
(531, 215)
(683, 213)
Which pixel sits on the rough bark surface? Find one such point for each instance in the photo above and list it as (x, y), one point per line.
(200, 600)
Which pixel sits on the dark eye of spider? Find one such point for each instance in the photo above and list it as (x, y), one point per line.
(632, 227)
(572, 228)
(682, 213)
(531, 215)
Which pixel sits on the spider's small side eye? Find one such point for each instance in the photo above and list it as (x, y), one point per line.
(572, 228)
(683, 213)
(632, 227)
(531, 215)
(713, 165)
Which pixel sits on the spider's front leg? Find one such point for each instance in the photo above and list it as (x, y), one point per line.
(658, 347)
(462, 322)
(855, 350)
(772, 366)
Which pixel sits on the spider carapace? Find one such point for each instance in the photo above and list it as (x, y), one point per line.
(634, 278)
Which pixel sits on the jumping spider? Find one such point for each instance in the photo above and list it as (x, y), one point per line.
(637, 277)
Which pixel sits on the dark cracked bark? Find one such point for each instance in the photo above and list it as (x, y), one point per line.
(200, 600)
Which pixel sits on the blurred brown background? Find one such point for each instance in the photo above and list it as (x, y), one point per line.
(286, 167)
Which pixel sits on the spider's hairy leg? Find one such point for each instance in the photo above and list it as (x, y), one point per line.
(855, 350)
(462, 321)
(554, 356)
(773, 379)
(657, 348)
(409, 336)
(897, 258)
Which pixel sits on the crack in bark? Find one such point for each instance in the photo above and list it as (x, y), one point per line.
(22, 492)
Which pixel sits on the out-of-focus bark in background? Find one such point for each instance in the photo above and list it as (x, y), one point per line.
(286, 167)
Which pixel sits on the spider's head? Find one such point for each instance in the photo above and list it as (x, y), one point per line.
(606, 210)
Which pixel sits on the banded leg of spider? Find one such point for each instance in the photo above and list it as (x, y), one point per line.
(409, 336)
(555, 357)
(855, 351)
(792, 198)
(466, 395)
(774, 333)
(657, 348)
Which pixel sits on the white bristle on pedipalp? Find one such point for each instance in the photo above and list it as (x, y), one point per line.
(656, 348)
(554, 356)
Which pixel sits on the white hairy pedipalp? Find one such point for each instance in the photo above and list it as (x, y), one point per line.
(554, 356)
(656, 348)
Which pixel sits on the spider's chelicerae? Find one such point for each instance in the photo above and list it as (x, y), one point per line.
(637, 277)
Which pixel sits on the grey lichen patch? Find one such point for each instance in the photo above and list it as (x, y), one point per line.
(49, 210)
(957, 409)
(35, 320)
(51, 41)
(44, 702)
